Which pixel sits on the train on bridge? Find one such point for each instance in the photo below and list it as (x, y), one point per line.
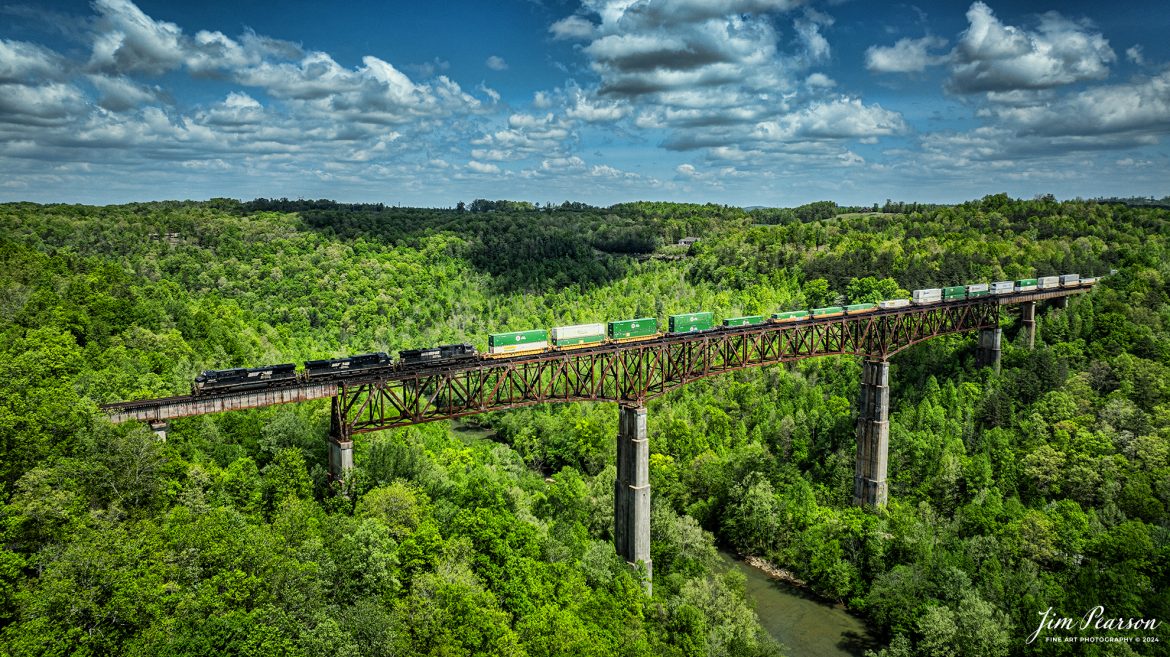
(580, 336)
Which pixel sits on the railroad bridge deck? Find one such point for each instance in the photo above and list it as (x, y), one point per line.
(628, 373)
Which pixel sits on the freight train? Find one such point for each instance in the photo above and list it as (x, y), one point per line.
(579, 336)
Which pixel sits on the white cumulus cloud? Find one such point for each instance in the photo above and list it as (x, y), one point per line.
(482, 167)
(572, 27)
(26, 62)
(905, 56)
(992, 56)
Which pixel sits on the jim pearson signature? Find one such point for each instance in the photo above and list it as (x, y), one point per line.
(1094, 618)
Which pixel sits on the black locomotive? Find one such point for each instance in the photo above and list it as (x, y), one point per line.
(325, 368)
(432, 355)
(244, 378)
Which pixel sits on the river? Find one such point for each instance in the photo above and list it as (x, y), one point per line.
(807, 626)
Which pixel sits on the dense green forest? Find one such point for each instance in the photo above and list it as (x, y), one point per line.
(1046, 485)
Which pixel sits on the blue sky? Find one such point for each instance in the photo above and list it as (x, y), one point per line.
(744, 102)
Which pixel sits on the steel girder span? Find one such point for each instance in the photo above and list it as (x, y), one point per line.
(632, 373)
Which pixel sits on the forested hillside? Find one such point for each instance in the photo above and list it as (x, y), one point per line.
(1047, 485)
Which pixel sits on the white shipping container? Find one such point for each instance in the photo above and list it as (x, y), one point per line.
(933, 295)
(517, 348)
(1002, 287)
(977, 287)
(928, 293)
(577, 331)
(1089, 280)
(893, 303)
(1070, 280)
(1048, 282)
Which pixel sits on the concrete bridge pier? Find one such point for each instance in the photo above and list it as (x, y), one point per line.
(873, 435)
(988, 353)
(1028, 319)
(631, 495)
(340, 444)
(159, 427)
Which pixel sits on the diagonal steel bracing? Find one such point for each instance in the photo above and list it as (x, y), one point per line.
(634, 372)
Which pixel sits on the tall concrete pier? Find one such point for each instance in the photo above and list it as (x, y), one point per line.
(340, 444)
(1028, 319)
(989, 350)
(873, 434)
(631, 495)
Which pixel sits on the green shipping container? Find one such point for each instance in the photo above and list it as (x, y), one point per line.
(690, 322)
(517, 337)
(829, 310)
(583, 340)
(588, 339)
(633, 328)
(858, 307)
(749, 320)
(955, 291)
(790, 315)
(1025, 282)
(978, 293)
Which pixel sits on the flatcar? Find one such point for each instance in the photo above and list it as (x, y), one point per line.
(690, 322)
(828, 311)
(334, 366)
(790, 316)
(410, 358)
(631, 330)
(749, 320)
(243, 378)
(577, 336)
(858, 308)
(517, 342)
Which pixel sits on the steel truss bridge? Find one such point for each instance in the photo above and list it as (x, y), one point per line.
(629, 373)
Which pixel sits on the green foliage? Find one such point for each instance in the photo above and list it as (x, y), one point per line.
(871, 290)
(1045, 485)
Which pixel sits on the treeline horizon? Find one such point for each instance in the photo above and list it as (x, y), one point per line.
(812, 209)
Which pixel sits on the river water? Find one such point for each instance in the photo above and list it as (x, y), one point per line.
(807, 627)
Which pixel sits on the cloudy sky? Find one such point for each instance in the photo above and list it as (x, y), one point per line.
(744, 102)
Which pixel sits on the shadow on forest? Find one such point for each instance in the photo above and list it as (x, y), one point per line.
(523, 249)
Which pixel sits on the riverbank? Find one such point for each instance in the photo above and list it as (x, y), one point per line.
(775, 571)
(790, 613)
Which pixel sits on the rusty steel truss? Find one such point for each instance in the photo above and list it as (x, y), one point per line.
(632, 373)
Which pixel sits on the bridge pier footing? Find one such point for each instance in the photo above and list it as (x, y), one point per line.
(873, 435)
(159, 427)
(989, 348)
(1028, 319)
(340, 444)
(631, 495)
